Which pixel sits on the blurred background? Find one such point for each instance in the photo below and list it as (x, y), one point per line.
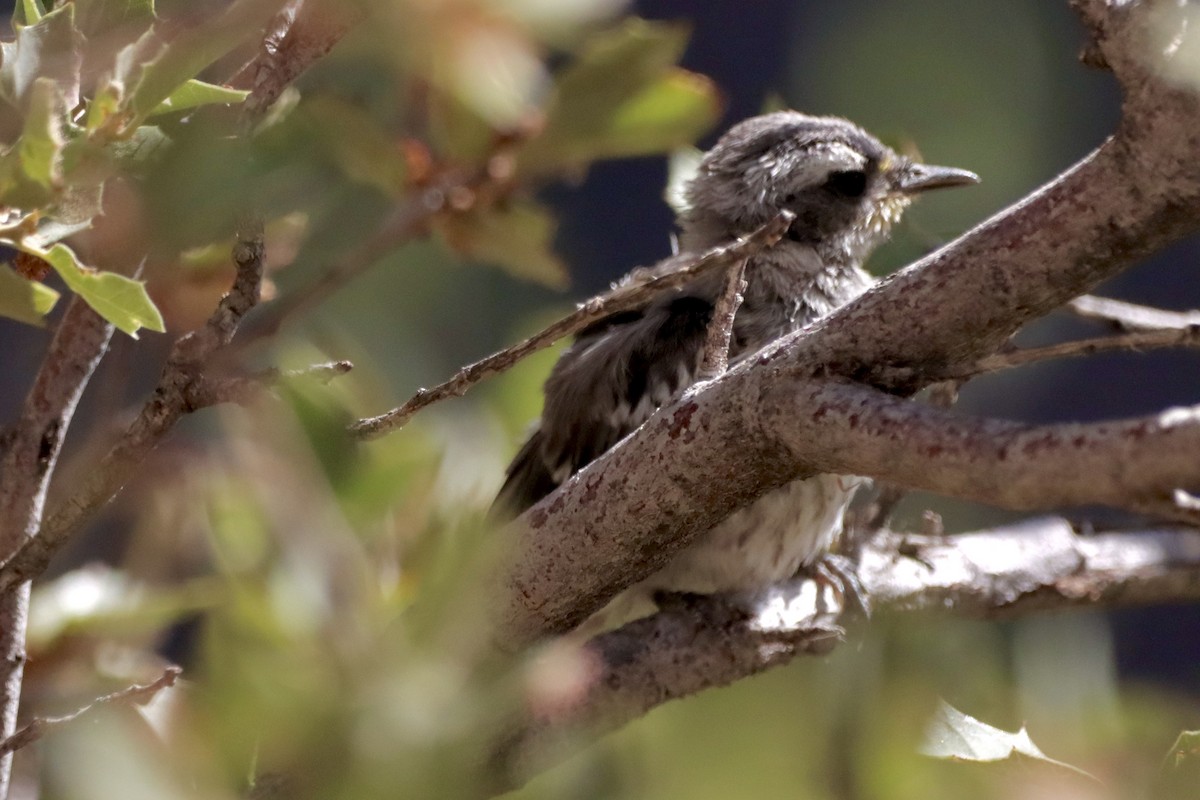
(261, 543)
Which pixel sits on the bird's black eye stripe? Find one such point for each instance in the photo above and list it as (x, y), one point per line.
(850, 183)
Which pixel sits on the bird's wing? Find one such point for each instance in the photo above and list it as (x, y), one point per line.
(615, 375)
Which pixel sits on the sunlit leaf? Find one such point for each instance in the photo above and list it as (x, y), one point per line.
(195, 93)
(623, 97)
(50, 48)
(102, 107)
(97, 16)
(955, 736)
(29, 11)
(50, 231)
(24, 300)
(120, 300)
(42, 140)
(185, 56)
(517, 238)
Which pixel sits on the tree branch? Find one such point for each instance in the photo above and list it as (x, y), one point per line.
(304, 32)
(32, 448)
(170, 401)
(624, 516)
(1133, 340)
(715, 360)
(139, 694)
(1038, 566)
(644, 285)
(1130, 316)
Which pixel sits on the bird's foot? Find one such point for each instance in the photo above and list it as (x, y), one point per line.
(837, 575)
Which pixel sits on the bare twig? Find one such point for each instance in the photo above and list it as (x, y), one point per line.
(681, 269)
(716, 340)
(211, 390)
(138, 694)
(1145, 339)
(184, 369)
(1130, 316)
(28, 463)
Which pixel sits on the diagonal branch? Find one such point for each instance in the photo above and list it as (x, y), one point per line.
(1038, 566)
(624, 297)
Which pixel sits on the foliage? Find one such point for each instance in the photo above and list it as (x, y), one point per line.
(328, 599)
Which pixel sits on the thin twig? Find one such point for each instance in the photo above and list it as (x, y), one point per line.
(1130, 316)
(211, 390)
(716, 340)
(138, 694)
(624, 297)
(1152, 339)
(185, 367)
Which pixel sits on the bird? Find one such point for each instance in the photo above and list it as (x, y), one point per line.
(846, 190)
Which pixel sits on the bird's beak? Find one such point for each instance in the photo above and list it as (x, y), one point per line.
(916, 178)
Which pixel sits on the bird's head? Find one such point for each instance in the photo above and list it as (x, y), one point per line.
(845, 187)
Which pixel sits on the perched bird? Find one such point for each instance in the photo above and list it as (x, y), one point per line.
(846, 190)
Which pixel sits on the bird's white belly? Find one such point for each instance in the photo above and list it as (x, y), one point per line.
(764, 542)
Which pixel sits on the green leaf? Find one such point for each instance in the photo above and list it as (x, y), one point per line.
(623, 97)
(24, 300)
(955, 736)
(29, 12)
(100, 16)
(102, 107)
(145, 144)
(50, 48)
(517, 238)
(41, 143)
(184, 57)
(120, 300)
(362, 149)
(195, 93)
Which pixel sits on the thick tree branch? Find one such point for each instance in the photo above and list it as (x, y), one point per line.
(691, 464)
(1038, 566)
(643, 286)
(848, 428)
(31, 450)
